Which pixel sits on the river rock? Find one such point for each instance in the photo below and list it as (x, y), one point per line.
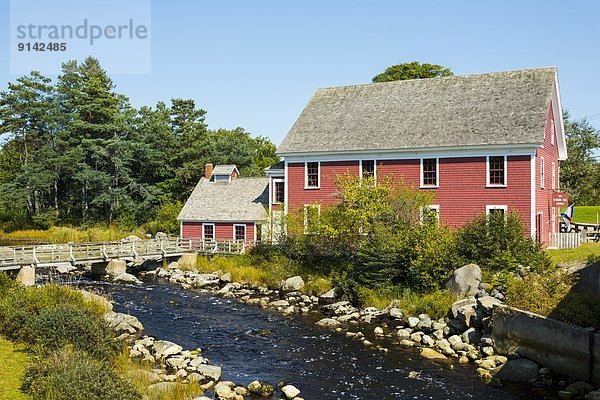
(412, 321)
(126, 278)
(329, 323)
(465, 280)
(161, 236)
(65, 268)
(211, 371)
(327, 298)
(293, 284)
(487, 303)
(518, 370)
(395, 313)
(404, 333)
(95, 298)
(224, 391)
(226, 277)
(460, 304)
(26, 276)
(164, 348)
(290, 391)
(204, 280)
(173, 265)
(471, 336)
(280, 303)
(433, 355)
(123, 323)
(260, 388)
(339, 308)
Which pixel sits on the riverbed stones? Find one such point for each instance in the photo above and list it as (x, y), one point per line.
(260, 388)
(329, 323)
(339, 308)
(412, 321)
(404, 333)
(462, 303)
(293, 284)
(123, 323)
(433, 355)
(395, 313)
(116, 267)
(280, 303)
(211, 371)
(465, 280)
(327, 298)
(226, 277)
(518, 370)
(164, 348)
(126, 278)
(290, 391)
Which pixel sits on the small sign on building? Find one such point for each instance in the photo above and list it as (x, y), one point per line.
(560, 199)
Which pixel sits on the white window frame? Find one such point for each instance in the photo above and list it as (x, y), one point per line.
(552, 130)
(245, 232)
(496, 207)
(214, 231)
(553, 220)
(306, 207)
(318, 175)
(487, 173)
(435, 207)
(542, 173)
(553, 173)
(274, 192)
(437, 174)
(360, 169)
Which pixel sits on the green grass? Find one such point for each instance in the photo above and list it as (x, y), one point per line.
(580, 253)
(586, 214)
(435, 304)
(14, 363)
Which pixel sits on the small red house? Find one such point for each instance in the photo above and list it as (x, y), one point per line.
(483, 143)
(225, 207)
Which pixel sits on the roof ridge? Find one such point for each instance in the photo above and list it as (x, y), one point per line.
(437, 78)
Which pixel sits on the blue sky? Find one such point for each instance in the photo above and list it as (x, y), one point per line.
(255, 64)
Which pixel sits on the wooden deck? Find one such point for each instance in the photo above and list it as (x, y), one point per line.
(48, 255)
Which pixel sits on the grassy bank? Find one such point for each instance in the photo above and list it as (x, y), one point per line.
(15, 360)
(586, 214)
(580, 253)
(67, 234)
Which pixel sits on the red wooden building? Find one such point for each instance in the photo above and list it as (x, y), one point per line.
(481, 142)
(225, 207)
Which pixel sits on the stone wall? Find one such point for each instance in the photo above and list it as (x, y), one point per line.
(562, 347)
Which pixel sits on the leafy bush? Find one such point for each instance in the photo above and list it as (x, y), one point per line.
(55, 328)
(69, 375)
(165, 219)
(540, 293)
(19, 304)
(499, 242)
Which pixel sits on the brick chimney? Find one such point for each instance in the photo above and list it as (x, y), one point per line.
(208, 169)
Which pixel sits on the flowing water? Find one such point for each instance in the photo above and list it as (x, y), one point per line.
(251, 343)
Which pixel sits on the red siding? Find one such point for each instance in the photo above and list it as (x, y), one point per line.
(462, 191)
(298, 196)
(543, 196)
(223, 230)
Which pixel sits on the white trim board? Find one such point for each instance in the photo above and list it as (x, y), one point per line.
(437, 174)
(318, 175)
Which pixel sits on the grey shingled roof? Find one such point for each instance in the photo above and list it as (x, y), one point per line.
(496, 108)
(244, 199)
(224, 169)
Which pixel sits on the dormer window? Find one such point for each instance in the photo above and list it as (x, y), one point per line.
(223, 173)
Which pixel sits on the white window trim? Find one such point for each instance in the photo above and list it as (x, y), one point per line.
(360, 170)
(542, 173)
(496, 207)
(245, 231)
(435, 207)
(437, 174)
(318, 176)
(552, 132)
(274, 192)
(214, 233)
(553, 173)
(306, 206)
(487, 173)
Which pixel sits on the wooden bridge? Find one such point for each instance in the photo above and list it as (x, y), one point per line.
(49, 255)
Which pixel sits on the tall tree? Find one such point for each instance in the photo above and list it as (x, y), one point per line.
(579, 174)
(412, 70)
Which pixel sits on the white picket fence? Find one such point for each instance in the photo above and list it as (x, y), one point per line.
(566, 240)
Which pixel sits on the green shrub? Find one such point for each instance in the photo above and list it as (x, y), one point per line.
(55, 328)
(499, 242)
(68, 375)
(165, 218)
(18, 304)
(539, 293)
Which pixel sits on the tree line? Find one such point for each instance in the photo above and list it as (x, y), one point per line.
(75, 152)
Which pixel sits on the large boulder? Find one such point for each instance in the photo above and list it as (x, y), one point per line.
(123, 323)
(293, 284)
(327, 298)
(518, 370)
(95, 298)
(465, 280)
(116, 267)
(290, 391)
(26, 276)
(127, 278)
